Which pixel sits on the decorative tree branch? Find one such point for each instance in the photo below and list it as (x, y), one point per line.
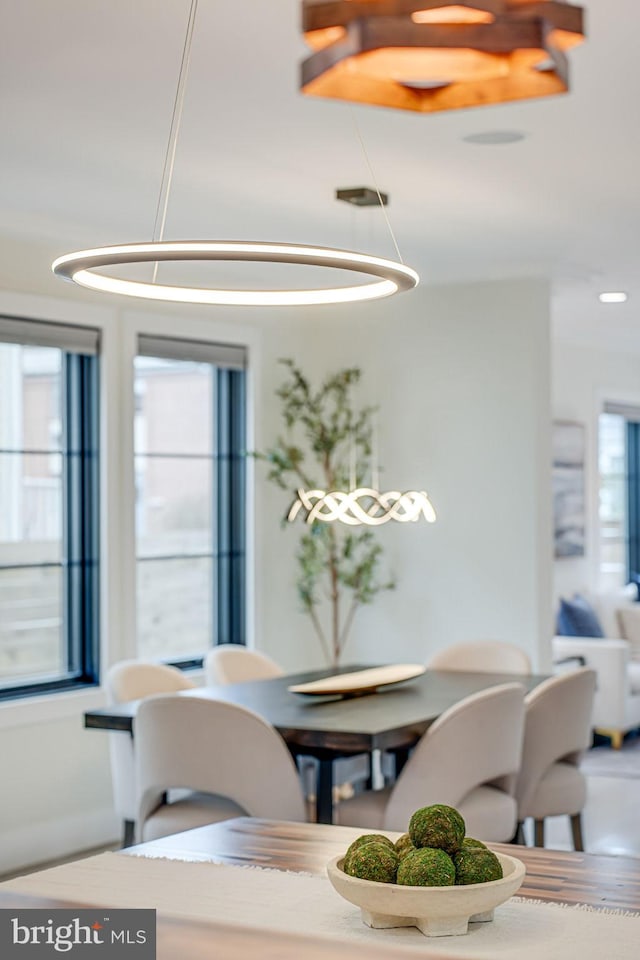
(323, 435)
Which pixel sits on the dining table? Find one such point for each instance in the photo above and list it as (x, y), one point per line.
(328, 727)
(604, 892)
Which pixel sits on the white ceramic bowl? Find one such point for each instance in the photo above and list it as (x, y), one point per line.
(435, 911)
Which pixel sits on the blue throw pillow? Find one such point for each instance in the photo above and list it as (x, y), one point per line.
(577, 618)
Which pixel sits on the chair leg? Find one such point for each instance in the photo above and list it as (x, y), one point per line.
(539, 833)
(519, 836)
(617, 738)
(576, 830)
(129, 833)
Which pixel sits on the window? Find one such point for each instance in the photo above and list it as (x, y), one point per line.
(189, 440)
(49, 621)
(619, 465)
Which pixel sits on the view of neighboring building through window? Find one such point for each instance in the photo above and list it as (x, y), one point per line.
(189, 437)
(48, 520)
(613, 501)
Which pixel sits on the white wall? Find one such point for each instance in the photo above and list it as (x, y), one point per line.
(461, 375)
(462, 378)
(583, 377)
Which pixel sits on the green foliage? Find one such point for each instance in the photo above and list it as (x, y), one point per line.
(326, 444)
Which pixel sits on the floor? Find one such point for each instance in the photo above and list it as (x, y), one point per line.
(611, 819)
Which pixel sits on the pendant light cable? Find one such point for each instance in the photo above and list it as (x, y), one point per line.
(172, 143)
(375, 183)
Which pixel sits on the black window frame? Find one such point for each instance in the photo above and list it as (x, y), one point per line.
(80, 561)
(229, 487)
(633, 498)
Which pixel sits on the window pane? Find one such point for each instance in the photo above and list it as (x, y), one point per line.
(173, 506)
(175, 600)
(31, 528)
(612, 501)
(31, 644)
(31, 635)
(188, 441)
(48, 533)
(174, 406)
(174, 467)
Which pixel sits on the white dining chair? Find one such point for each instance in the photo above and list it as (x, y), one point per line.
(468, 758)
(132, 680)
(557, 732)
(482, 656)
(233, 663)
(233, 761)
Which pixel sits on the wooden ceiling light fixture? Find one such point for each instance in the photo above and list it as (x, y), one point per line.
(429, 55)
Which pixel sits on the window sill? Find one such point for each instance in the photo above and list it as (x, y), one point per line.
(26, 711)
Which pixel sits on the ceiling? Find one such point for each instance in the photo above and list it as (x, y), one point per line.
(86, 92)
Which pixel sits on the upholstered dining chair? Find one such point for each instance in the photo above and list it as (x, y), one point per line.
(233, 761)
(233, 663)
(556, 734)
(468, 758)
(132, 680)
(482, 656)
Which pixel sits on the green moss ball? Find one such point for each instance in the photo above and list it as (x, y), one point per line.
(404, 845)
(372, 861)
(470, 842)
(476, 865)
(370, 838)
(426, 867)
(437, 826)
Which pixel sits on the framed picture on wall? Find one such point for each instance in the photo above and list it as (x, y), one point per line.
(568, 444)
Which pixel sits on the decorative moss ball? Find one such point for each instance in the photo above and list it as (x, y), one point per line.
(470, 842)
(437, 826)
(476, 865)
(426, 867)
(372, 861)
(370, 838)
(404, 845)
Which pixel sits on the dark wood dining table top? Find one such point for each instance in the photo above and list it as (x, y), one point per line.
(391, 717)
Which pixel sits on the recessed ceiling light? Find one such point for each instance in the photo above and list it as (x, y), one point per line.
(493, 137)
(613, 297)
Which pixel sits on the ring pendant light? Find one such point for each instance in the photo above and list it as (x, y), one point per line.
(79, 267)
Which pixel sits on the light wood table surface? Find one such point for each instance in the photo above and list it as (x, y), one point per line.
(552, 875)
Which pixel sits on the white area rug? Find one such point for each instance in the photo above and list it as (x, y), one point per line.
(277, 901)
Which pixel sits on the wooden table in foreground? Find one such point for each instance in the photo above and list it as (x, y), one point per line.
(178, 939)
(393, 718)
(552, 875)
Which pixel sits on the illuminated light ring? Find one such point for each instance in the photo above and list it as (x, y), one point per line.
(345, 507)
(77, 267)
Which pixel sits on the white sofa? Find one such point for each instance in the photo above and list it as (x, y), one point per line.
(616, 660)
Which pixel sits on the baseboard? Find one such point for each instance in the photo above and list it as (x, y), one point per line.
(41, 843)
